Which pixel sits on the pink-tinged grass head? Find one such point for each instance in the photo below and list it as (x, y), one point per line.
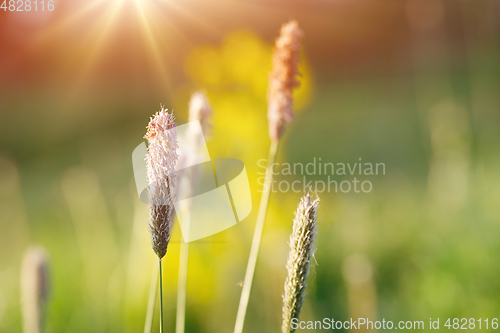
(283, 79)
(161, 161)
(201, 110)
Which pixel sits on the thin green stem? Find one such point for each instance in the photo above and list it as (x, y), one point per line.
(148, 326)
(257, 236)
(161, 299)
(181, 283)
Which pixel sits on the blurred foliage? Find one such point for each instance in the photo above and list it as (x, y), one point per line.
(427, 233)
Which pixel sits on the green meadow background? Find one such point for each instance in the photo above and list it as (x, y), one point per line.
(411, 84)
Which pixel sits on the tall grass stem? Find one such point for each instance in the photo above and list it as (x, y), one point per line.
(153, 289)
(257, 236)
(181, 284)
(161, 298)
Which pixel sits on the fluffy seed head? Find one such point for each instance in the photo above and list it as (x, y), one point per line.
(299, 259)
(283, 79)
(200, 109)
(34, 289)
(161, 161)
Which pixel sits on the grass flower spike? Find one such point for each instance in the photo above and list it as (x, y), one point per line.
(161, 161)
(200, 109)
(299, 259)
(283, 79)
(34, 289)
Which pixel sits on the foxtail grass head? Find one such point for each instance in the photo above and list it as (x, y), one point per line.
(299, 259)
(35, 287)
(283, 79)
(201, 110)
(161, 161)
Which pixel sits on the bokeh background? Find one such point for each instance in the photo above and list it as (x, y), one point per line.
(412, 84)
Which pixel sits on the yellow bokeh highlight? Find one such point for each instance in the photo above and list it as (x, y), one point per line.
(204, 66)
(242, 63)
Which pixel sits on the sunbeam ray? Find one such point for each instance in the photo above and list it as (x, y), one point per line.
(153, 47)
(99, 44)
